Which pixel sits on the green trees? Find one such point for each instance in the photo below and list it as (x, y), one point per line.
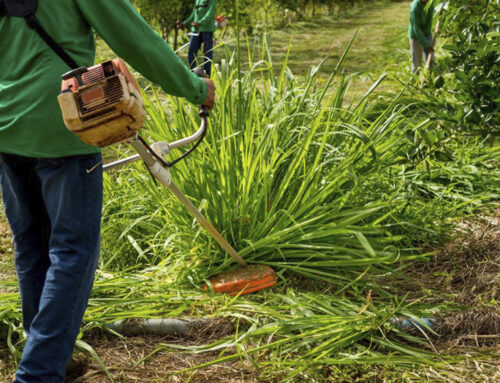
(164, 14)
(252, 13)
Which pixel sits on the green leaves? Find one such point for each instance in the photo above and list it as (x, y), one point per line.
(473, 44)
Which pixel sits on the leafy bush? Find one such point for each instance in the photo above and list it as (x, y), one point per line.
(471, 69)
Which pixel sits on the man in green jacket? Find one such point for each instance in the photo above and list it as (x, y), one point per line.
(51, 181)
(202, 22)
(420, 33)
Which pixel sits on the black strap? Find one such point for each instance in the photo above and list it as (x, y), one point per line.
(17, 8)
(33, 23)
(26, 9)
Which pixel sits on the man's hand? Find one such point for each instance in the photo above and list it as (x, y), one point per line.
(196, 25)
(180, 25)
(430, 50)
(210, 100)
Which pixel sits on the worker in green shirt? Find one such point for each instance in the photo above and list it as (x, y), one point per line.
(202, 22)
(420, 33)
(51, 182)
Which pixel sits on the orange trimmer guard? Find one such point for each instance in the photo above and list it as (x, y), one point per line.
(244, 280)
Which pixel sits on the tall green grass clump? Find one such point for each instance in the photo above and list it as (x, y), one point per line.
(283, 173)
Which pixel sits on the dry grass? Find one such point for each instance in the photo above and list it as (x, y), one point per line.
(6, 250)
(122, 355)
(466, 272)
(129, 359)
(478, 327)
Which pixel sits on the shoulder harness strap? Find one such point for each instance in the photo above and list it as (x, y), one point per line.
(17, 8)
(26, 9)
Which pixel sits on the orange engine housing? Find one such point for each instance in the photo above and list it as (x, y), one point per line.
(106, 108)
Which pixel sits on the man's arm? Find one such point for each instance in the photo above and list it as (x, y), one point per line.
(421, 38)
(131, 38)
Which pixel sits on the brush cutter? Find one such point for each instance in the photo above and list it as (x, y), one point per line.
(103, 105)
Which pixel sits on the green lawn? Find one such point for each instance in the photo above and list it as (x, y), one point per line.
(380, 45)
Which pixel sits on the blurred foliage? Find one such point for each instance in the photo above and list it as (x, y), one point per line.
(468, 78)
(253, 15)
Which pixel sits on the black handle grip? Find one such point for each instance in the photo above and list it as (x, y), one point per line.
(76, 73)
(203, 111)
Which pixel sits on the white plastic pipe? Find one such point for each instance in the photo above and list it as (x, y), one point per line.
(162, 326)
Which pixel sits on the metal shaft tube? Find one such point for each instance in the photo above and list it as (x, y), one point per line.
(120, 163)
(162, 174)
(206, 224)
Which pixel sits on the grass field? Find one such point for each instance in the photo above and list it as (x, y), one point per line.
(339, 181)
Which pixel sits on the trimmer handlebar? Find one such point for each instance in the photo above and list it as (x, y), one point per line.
(200, 132)
(168, 146)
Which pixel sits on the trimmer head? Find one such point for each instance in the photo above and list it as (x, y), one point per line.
(244, 280)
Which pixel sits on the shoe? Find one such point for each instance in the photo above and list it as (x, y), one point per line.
(75, 369)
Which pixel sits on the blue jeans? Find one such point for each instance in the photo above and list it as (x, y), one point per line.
(207, 39)
(54, 210)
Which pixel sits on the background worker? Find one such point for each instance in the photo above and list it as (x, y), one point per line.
(420, 33)
(202, 22)
(51, 181)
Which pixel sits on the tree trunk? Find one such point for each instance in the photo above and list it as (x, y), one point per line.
(176, 35)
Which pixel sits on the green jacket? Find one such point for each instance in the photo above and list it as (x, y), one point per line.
(30, 72)
(420, 23)
(203, 14)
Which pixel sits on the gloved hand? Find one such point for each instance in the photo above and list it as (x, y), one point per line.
(210, 100)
